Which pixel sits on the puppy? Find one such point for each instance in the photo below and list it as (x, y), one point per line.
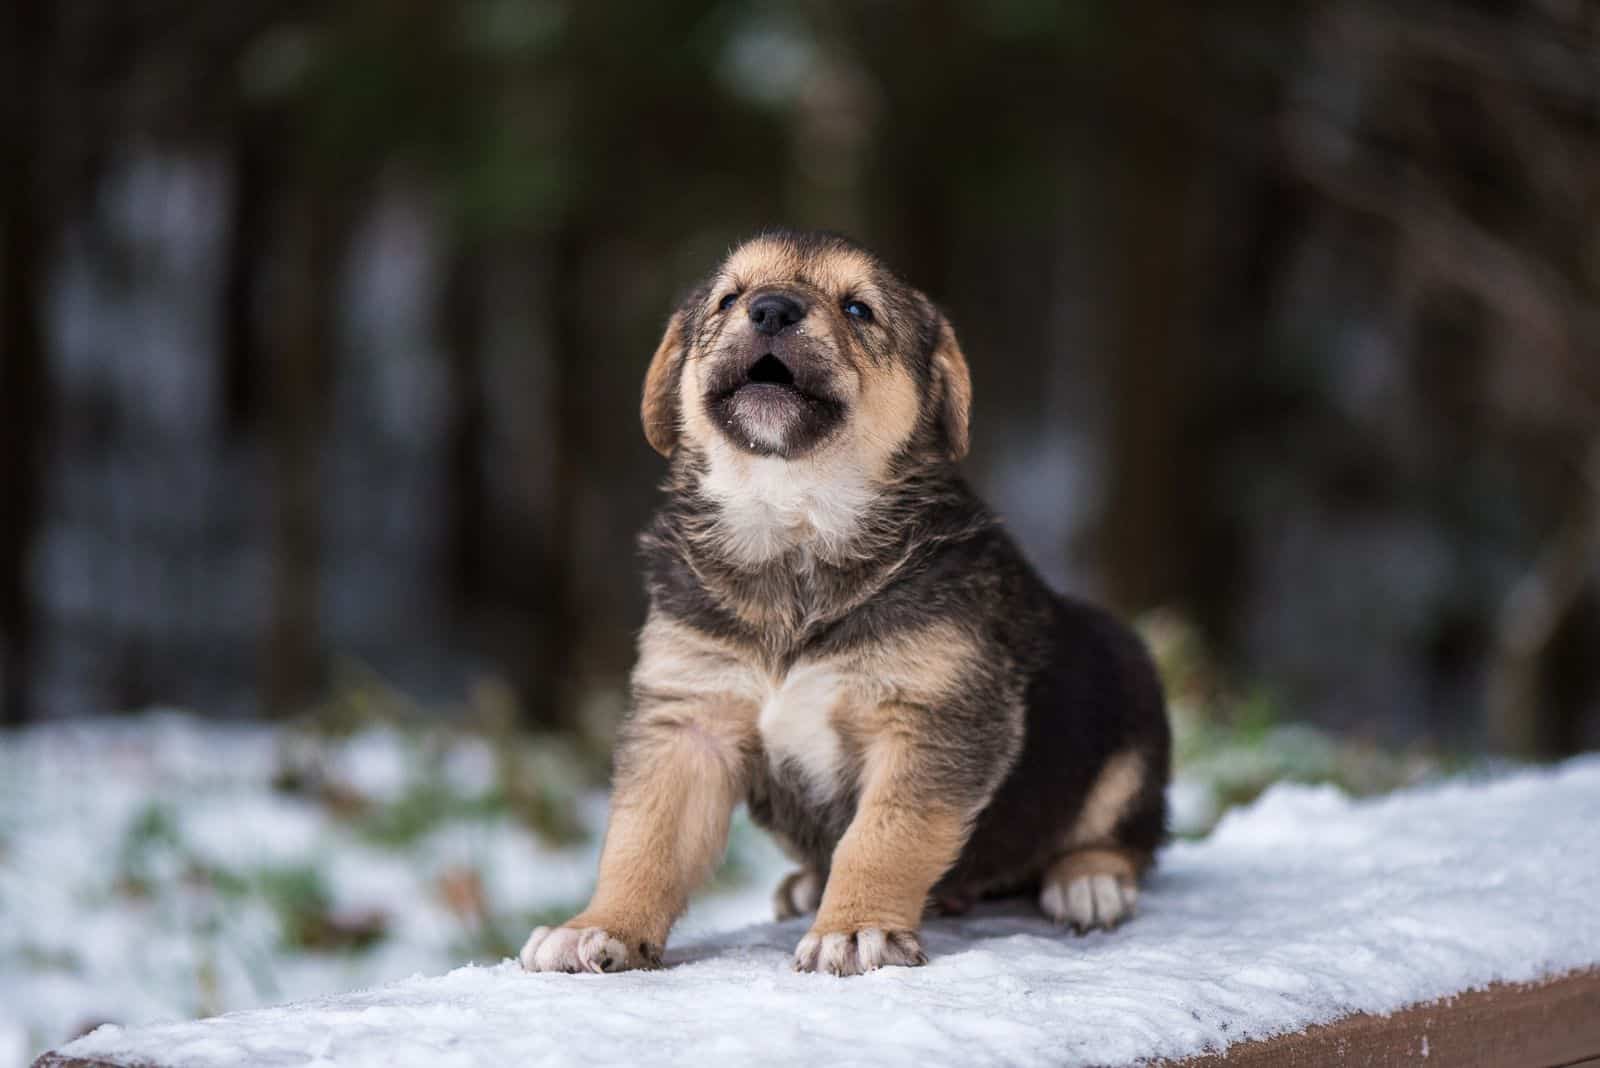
(842, 635)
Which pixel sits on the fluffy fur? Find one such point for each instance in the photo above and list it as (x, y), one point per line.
(842, 635)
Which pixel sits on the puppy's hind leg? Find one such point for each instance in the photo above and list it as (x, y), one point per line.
(1093, 882)
(798, 894)
(1091, 888)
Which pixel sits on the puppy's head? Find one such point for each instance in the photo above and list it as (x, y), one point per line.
(801, 346)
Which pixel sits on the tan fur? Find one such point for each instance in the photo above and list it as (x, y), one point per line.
(759, 263)
(682, 662)
(871, 698)
(775, 505)
(1108, 799)
(756, 262)
(656, 409)
(798, 894)
(919, 667)
(955, 383)
(889, 406)
(1092, 888)
(816, 709)
(682, 766)
(682, 770)
(677, 661)
(897, 846)
(897, 736)
(1121, 864)
(824, 709)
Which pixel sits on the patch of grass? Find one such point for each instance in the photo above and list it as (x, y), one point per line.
(150, 843)
(736, 870)
(536, 779)
(546, 807)
(224, 882)
(299, 895)
(39, 959)
(431, 803)
(493, 938)
(1236, 742)
(402, 822)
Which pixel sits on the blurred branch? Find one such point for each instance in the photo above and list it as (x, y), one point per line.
(1473, 140)
(1536, 55)
(1453, 249)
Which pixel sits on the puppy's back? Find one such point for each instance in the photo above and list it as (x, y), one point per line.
(1095, 757)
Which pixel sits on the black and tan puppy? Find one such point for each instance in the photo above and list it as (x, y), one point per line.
(843, 636)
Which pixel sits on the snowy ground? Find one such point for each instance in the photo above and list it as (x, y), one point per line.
(159, 867)
(1298, 909)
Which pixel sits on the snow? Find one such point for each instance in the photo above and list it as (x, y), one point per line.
(79, 947)
(1301, 908)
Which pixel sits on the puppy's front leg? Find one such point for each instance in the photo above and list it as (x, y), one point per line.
(680, 770)
(901, 840)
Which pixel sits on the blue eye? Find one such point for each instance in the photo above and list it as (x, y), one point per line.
(859, 310)
(727, 302)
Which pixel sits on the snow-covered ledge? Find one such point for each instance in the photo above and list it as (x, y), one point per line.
(1304, 909)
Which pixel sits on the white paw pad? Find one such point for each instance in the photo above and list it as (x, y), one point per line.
(1089, 901)
(798, 895)
(578, 949)
(855, 952)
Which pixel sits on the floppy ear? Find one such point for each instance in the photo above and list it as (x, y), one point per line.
(659, 409)
(954, 383)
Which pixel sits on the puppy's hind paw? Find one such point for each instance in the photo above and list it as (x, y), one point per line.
(798, 895)
(584, 949)
(1088, 902)
(1093, 888)
(854, 952)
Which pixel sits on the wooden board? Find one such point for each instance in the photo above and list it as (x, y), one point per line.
(1543, 1025)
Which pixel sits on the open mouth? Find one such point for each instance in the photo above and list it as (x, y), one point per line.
(770, 377)
(774, 404)
(769, 371)
(771, 380)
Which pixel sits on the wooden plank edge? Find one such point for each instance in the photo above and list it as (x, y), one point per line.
(1555, 1022)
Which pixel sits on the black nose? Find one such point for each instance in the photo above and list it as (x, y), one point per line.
(775, 312)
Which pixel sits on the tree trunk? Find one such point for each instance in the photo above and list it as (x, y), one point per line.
(247, 243)
(1529, 622)
(462, 333)
(557, 682)
(24, 393)
(1142, 534)
(305, 315)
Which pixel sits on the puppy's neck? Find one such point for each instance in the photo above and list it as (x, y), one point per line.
(765, 508)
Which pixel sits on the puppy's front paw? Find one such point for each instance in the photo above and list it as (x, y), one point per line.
(853, 952)
(585, 949)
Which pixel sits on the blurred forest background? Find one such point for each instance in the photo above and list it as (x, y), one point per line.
(323, 328)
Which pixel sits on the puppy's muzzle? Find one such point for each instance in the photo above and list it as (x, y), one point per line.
(776, 368)
(778, 394)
